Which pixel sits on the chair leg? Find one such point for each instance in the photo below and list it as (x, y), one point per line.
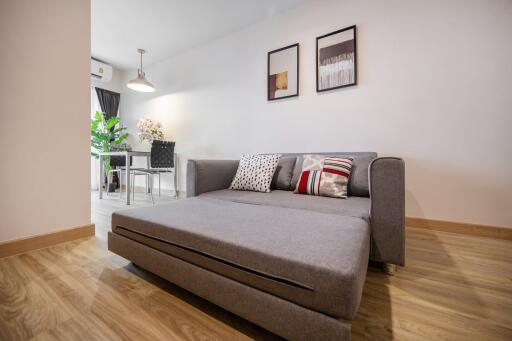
(158, 184)
(108, 184)
(151, 177)
(125, 186)
(133, 187)
(147, 184)
(119, 176)
(175, 183)
(121, 184)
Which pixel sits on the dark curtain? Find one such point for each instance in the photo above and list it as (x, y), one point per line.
(109, 102)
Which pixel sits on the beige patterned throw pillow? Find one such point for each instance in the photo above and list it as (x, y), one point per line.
(325, 176)
(313, 162)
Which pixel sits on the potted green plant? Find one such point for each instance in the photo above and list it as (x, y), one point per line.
(104, 134)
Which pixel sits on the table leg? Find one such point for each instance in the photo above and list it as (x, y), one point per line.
(100, 184)
(128, 183)
(175, 181)
(175, 171)
(148, 189)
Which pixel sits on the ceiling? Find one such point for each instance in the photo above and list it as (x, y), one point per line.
(165, 28)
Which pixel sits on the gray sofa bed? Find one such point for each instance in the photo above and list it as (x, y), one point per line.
(293, 264)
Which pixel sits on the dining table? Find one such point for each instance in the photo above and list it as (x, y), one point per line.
(127, 154)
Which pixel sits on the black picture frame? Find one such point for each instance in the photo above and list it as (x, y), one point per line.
(353, 27)
(269, 97)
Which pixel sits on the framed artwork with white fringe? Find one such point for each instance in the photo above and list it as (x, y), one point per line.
(336, 59)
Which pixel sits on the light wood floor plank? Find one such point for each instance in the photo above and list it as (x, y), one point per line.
(454, 287)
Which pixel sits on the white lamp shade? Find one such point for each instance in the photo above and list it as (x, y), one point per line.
(140, 84)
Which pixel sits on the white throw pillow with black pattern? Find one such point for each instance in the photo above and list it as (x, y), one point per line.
(255, 173)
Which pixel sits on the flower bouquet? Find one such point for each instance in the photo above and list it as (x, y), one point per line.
(149, 130)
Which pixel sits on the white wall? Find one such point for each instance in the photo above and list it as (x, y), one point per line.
(44, 116)
(435, 83)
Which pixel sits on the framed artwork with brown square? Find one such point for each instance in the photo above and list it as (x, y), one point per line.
(336, 59)
(283, 73)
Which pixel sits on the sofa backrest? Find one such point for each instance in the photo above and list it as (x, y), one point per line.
(358, 182)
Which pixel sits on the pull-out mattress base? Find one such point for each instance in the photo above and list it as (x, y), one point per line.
(284, 318)
(312, 259)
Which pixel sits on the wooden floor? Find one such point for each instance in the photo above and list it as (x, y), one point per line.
(454, 287)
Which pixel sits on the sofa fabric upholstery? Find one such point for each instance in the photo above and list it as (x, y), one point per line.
(387, 216)
(280, 316)
(209, 175)
(313, 259)
(387, 209)
(356, 207)
(284, 172)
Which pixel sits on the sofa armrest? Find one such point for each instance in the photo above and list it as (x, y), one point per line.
(209, 175)
(387, 209)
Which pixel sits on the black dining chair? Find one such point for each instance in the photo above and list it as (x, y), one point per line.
(162, 160)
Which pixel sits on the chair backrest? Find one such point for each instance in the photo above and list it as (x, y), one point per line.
(162, 154)
(119, 161)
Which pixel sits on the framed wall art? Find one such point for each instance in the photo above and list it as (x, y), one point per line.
(336, 59)
(283, 73)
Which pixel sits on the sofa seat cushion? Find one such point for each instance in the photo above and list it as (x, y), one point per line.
(357, 207)
(313, 259)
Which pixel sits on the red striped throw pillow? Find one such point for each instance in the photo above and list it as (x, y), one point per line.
(330, 181)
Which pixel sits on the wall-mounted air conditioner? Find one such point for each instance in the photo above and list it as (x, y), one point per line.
(101, 71)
